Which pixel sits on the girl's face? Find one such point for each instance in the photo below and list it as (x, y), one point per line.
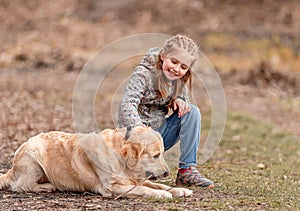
(176, 63)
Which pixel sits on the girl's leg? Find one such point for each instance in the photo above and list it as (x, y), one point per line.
(187, 130)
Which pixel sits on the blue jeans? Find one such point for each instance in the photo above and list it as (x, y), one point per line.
(186, 129)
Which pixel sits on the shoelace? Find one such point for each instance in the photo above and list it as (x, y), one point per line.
(196, 172)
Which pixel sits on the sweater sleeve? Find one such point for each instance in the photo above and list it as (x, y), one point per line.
(128, 111)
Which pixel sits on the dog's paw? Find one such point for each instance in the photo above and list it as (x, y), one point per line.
(46, 187)
(160, 194)
(178, 192)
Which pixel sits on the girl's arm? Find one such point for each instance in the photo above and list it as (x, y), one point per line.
(128, 110)
(182, 102)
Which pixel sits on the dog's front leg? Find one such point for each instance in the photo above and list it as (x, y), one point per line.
(139, 190)
(176, 192)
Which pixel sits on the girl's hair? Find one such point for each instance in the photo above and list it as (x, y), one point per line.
(190, 46)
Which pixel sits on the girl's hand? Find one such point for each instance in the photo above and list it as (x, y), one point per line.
(182, 107)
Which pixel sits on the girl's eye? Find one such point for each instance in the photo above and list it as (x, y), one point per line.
(184, 67)
(174, 61)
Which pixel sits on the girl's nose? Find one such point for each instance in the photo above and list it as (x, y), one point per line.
(177, 68)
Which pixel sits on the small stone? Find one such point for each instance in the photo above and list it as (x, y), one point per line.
(244, 149)
(234, 126)
(228, 151)
(261, 166)
(237, 138)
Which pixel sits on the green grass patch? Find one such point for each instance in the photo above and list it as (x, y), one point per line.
(254, 167)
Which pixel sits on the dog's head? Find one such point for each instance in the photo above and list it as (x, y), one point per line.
(142, 153)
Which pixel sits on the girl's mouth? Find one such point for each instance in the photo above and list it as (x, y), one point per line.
(173, 72)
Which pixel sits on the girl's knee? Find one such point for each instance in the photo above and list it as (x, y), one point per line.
(193, 115)
(195, 111)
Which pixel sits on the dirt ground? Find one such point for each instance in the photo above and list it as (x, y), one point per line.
(44, 45)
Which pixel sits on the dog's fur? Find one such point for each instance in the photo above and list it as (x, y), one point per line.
(103, 163)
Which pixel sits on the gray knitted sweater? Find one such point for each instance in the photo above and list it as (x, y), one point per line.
(141, 105)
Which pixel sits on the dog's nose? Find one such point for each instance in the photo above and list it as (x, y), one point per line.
(166, 173)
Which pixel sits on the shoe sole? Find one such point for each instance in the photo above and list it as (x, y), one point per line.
(189, 185)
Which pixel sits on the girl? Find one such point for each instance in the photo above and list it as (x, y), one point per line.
(158, 86)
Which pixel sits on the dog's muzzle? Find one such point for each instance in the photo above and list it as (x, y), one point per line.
(152, 176)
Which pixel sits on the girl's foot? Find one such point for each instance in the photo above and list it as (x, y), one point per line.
(191, 176)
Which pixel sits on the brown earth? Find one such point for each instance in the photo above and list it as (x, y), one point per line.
(44, 45)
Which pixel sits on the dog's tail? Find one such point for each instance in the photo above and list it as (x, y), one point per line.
(5, 180)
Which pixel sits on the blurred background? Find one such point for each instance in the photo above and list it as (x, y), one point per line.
(234, 34)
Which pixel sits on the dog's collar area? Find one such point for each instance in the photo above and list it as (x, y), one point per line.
(128, 130)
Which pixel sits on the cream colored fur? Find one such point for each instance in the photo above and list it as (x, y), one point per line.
(103, 163)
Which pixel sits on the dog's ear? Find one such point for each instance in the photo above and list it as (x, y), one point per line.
(131, 153)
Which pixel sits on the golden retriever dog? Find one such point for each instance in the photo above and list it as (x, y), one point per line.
(109, 163)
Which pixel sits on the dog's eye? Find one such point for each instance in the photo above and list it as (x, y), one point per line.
(156, 156)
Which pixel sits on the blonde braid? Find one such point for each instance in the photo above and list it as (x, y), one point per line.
(184, 42)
